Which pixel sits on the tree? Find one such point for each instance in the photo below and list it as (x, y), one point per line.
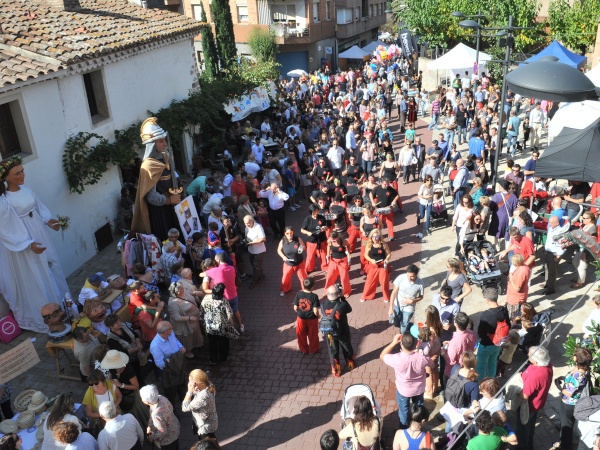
(574, 24)
(211, 59)
(432, 19)
(224, 33)
(262, 44)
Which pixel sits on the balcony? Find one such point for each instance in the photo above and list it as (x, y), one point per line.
(291, 33)
(363, 24)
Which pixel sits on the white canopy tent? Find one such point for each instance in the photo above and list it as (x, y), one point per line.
(353, 52)
(594, 75)
(370, 48)
(460, 59)
(577, 115)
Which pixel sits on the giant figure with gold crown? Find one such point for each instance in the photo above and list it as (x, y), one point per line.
(157, 192)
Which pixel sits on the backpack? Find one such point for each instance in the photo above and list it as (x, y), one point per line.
(502, 329)
(455, 391)
(329, 324)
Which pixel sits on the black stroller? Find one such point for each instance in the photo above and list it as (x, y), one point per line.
(483, 280)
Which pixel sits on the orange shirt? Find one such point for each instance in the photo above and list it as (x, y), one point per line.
(520, 278)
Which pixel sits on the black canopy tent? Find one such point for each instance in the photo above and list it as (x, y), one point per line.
(572, 155)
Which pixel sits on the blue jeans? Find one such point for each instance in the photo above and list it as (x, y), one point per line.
(512, 140)
(450, 137)
(367, 166)
(406, 317)
(423, 210)
(459, 193)
(434, 119)
(525, 432)
(487, 359)
(403, 407)
(462, 134)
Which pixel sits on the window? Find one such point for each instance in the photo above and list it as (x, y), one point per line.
(9, 140)
(365, 7)
(315, 10)
(283, 13)
(344, 16)
(327, 15)
(197, 9)
(357, 14)
(96, 96)
(242, 11)
(371, 10)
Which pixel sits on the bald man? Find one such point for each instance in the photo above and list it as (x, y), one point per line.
(337, 308)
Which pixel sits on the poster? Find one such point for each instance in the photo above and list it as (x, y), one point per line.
(255, 100)
(405, 41)
(18, 360)
(188, 217)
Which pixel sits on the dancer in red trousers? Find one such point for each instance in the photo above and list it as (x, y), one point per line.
(290, 249)
(306, 305)
(368, 223)
(378, 254)
(338, 257)
(354, 221)
(385, 196)
(314, 227)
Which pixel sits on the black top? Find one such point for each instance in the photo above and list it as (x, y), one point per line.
(306, 301)
(232, 232)
(319, 193)
(389, 172)
(335, 189)
(488, 322)
(322, 173)
(338, 251)
(354, 173)
(384, 197)
(461, 118)
(290, 250)
(303, 166)
(578, 192)
(368, 227)
(355, 218)
(313, 225)
(125, 377)
(341, 314)
(377, 254)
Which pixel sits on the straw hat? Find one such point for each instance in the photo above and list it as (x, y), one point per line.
(38, 402)
(26, 419)
(114, 359)
(8, 426)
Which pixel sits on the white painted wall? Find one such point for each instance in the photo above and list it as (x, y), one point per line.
(148, 81)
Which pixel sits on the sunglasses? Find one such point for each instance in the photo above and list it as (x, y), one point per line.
(96, 383)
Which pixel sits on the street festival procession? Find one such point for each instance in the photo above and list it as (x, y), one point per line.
(299, 224)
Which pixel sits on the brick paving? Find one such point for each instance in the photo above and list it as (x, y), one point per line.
(270, 395)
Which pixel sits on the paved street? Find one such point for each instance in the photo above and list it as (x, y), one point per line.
(270, 395)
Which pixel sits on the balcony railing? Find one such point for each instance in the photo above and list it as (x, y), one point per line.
(287, 31)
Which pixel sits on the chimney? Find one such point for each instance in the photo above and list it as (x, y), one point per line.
(65, 5)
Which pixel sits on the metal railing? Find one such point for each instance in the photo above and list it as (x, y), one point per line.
(286, 31)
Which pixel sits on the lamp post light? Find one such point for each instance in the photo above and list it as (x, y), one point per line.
(507, 34)
(472, 25)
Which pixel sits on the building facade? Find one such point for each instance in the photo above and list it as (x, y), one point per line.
(309, 32)
(65, 71)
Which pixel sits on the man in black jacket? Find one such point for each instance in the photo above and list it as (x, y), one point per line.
(337, 305)
(495, 316)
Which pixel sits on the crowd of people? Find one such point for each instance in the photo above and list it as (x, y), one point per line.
(336, 153)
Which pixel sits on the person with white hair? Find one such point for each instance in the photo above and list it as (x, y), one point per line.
(121, 432)
(537, 379)
(163, 427)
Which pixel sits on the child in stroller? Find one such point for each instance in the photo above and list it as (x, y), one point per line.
(477, 268)
(438, 207)
(476, 264)
(359, 405)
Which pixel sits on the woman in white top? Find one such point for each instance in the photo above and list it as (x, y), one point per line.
(425, 201)
(463, 212)
(472, 229)
(62, 411)
(405, 159)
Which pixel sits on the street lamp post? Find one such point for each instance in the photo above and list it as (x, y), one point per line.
(479, 16)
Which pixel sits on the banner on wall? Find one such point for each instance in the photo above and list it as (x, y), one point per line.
(188, 217)
(256, 100)
(405, 41)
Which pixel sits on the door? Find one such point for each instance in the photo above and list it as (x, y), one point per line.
(291, 61)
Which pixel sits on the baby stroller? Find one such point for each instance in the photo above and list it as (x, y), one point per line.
(353, 392)
(483, 280)
(439, 216)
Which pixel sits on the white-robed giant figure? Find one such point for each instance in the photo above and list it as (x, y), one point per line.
(30, 273)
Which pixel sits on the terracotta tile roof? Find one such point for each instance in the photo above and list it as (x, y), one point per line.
(100, 27)
(15, 67)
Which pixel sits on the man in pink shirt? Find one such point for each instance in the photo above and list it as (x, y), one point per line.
(409, 367)
(462, 340)
(224, 273)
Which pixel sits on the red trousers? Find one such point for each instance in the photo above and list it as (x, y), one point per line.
(363, 262)
(353, 235)
(312, 252)
(286, 278)
(388, 219)
(395, 186)
(339, 267)
(308, 330)
(375, 273)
